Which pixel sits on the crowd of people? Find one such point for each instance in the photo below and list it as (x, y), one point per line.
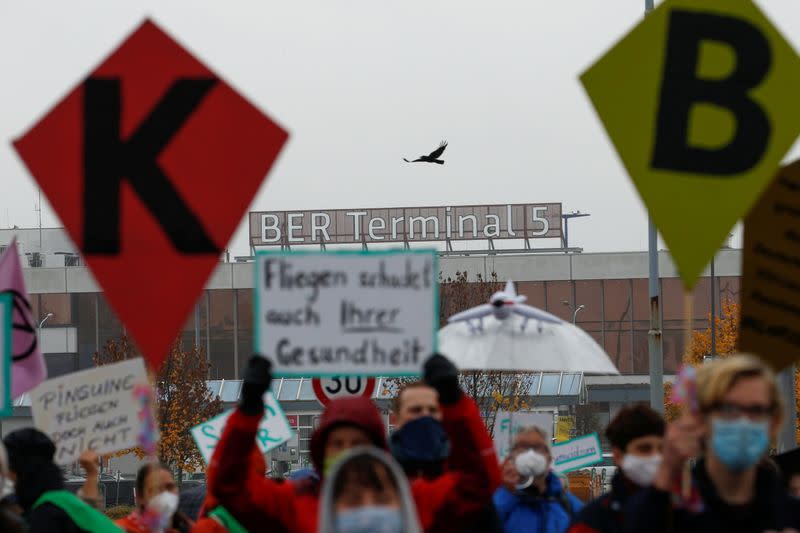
(709, 471)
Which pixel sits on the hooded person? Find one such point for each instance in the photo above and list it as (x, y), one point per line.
(636, 435)
(39, 488)
(263, 504)
(367, 492)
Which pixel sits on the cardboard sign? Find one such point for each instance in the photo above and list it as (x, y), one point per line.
(507, 424)
(273, 430)
(150, 163)
(346, 313)
(770, 325)
(577, 453)
(6, 353)
(699, 101)
(93, 408)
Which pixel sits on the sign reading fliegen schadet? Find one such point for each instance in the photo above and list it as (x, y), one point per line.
(92, 409)
(770, 325)
(406, 224)
(346, 313)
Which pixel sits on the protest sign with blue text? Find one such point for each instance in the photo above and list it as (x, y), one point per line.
(273, 430)
(577, 453)
(92, 409)
(346, 313)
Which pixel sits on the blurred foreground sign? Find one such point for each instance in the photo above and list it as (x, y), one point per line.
(577, 453)
(699, 101)
(770, 325)
(6, 352)
(150, 163)
(346, 313)
(93, 408)
(273, 430)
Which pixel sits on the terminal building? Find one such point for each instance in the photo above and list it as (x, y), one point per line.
(606, 294)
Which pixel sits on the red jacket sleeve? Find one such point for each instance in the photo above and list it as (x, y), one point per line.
(472, 475)
(258, 502)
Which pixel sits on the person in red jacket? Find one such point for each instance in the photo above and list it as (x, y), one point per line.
(261, 504)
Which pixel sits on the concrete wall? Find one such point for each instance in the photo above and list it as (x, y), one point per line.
(545, 267)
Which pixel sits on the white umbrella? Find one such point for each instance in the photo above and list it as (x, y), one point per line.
(514, 345)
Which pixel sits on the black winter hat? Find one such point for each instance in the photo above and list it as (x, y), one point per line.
(28, 446)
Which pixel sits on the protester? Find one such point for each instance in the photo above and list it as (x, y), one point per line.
(39, 487)
(367, 492)
(90, 491)
(532, 498)
(420, 445)
(636, 435)
(214, 517)
(730, 489)
(156, 503)
(10, 514)
(259, 503)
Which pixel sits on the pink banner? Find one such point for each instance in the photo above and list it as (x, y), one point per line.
(28, 369)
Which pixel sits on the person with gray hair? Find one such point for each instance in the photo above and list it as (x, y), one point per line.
(367, 492)
(533, 498)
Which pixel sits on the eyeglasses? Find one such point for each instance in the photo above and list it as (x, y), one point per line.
(734, 410)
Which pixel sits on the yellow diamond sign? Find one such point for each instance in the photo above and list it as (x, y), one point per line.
(701, 103)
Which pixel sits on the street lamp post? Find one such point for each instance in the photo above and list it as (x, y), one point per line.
(575, 310)
(47, 317)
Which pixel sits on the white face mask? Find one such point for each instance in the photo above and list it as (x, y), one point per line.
(164, 506)
(530, 464)
(641, 469)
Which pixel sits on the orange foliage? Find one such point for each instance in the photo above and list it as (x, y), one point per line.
(182, 398)
(727, 335)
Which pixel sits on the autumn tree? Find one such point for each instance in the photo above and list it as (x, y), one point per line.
(182, 400)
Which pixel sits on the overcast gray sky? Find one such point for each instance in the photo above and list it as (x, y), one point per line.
(361, 84)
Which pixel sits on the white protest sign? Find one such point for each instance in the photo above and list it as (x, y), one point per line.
(93, 408)
(577, 453)
(273, 430)
(6, 353)
(507, 424)
(346, 313)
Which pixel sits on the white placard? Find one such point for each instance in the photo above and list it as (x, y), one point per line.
(93, 408)
(577, 453)
(507, 424)
(346, 313)
(273, 430)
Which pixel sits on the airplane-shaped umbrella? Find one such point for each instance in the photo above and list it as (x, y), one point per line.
(499, 340)
(502, 304)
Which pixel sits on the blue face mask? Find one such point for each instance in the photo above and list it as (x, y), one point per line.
(370, 519)
(420, 441)
(739, 443)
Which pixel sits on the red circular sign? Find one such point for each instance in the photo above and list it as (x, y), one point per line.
(327, 389)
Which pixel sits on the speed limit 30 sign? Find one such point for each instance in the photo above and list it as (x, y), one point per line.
(327, 389)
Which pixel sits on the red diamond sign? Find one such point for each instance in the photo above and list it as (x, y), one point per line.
(150, 162)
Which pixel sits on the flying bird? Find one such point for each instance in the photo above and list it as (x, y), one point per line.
(501, 305)
(432, 157)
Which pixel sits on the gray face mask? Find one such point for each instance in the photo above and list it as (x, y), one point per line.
(370, 519)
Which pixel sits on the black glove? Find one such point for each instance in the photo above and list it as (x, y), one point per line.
(257, 378)
(441, 374)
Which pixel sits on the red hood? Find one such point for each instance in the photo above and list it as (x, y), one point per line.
(352, 411)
